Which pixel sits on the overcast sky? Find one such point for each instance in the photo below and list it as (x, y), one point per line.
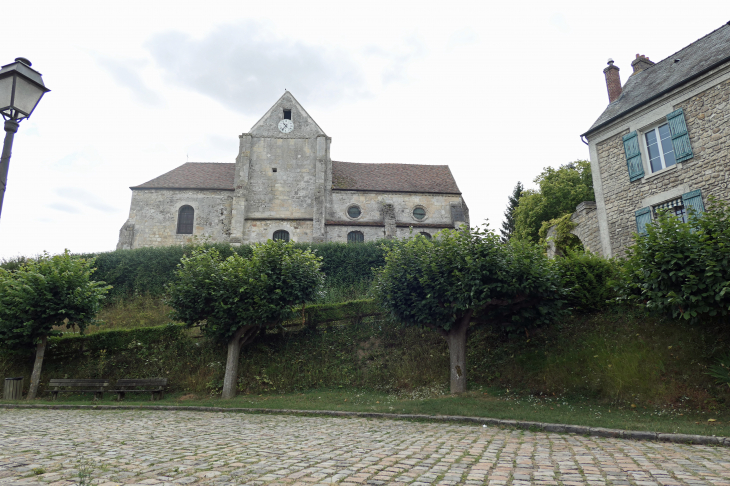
(496, 90)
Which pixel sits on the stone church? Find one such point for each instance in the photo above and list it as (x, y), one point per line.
(284, 185)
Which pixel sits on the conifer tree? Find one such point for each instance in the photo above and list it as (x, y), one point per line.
(508, 225)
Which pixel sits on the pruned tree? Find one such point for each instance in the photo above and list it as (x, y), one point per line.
(464, 279)
(44, 293)
(233, 299)
(508, 225)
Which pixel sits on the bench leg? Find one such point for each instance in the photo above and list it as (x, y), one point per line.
(54, 394)
(120, 396)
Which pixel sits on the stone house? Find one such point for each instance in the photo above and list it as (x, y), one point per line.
(662, 143)
(284, 185)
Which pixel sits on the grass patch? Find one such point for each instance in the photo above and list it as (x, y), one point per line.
(485, 402)
(619, 359)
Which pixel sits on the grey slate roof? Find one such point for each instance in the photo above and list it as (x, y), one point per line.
(345, 176)
(195, 175)
(701, 55)
(393, 178)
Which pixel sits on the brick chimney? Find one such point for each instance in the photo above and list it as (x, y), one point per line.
(640, 63)
(613, 81)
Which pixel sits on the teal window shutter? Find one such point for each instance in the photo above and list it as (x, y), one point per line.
(643, 218)
(693, 202)
(680, 137)
(633, 156)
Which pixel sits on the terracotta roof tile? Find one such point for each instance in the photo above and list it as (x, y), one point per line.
(195, 175)
(393, 178)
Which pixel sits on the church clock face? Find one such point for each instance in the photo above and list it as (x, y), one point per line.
(286, 126)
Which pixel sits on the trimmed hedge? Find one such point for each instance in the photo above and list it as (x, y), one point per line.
(73, 344)
(147, 270)
(321, 314)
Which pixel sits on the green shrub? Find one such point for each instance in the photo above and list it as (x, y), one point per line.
(588, 280)
(147, 270)
(683, 268)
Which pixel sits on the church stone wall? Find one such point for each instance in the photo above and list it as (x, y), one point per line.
(257, 231)
(338, 234)
(437, 206)
(153, 215)
(288, 192)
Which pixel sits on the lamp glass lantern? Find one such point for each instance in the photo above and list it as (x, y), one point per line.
(21, 88)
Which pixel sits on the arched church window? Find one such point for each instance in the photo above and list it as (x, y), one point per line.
(355, 237)
(282, 235)
(425, 235)
(185, 217)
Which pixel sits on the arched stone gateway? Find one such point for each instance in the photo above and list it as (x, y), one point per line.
(586, 219)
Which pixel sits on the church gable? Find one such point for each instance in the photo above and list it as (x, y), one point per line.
(286, 106)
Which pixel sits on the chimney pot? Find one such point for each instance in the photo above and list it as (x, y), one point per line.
(613, 81)
(640, 63)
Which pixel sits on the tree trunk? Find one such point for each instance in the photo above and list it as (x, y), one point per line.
(456, 338)
(35, 377)
(230, 379)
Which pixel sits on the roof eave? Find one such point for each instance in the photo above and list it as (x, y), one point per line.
(400, 192)
(656, 96)
(138, 188)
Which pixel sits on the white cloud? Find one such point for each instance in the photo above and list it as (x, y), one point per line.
(246, 67)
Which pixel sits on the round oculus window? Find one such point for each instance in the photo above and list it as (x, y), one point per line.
(354, 212)
(419, 213)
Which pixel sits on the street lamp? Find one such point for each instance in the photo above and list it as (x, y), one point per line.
(21, 88)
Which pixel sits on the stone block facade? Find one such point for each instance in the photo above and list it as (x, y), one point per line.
(708, 124)
(692, 85)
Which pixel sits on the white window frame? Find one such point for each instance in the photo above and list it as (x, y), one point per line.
(645, 148)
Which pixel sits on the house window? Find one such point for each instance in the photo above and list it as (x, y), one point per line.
(287, 114)
(660, 148)
(354, 211)
(355, 237)
(419, 213)
(675, 207)
(185, 217)
(282, 235)
(425, 235)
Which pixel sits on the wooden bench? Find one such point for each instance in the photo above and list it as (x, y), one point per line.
(155, 386)
(95, 386)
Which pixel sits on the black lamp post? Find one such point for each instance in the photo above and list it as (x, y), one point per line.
(21, 88)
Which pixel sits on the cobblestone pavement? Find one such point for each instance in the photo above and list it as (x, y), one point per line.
(110, 448)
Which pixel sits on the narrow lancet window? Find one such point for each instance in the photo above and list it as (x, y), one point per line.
(185, 218)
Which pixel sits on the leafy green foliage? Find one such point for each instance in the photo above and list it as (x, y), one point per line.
(588, 280)
(721, 371)
(436, 282)
(563, 239)
(508, 225)
(224, 295)
(683, 268)
(47, 292)
(561, 190)
(148, 270)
